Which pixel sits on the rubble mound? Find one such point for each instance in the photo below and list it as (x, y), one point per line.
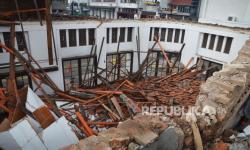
(223, 94)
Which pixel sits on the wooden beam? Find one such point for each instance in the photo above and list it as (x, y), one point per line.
(49, 30)
(85, 125)
(6, 22)
(197, 136)
(117, 106)
(11, 13)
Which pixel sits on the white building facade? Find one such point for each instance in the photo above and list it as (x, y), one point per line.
(231, 13)
(75, 39)
(112, 9)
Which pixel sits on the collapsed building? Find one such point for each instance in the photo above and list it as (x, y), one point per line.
(80, 83)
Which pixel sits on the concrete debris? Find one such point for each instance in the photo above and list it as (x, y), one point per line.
(133, 146)
(221, 146)
(155, 123)
(238, 146)
(138, 132)
(122, 137)
(226, 91)
(247, 130)
(170, 139)
(110, 117)
(28, 133)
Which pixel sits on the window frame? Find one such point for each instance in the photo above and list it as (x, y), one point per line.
(62, 42)
(72, 37)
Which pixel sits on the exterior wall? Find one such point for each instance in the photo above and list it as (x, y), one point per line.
(101, 5)
(164, 3)
(217, 12)
(193, 38)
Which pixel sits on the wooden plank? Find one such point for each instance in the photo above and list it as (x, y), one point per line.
(130, 103)
(197, 136)
(164, 54)
(44, 116)
(88, 130)
(49, 30)
(10, 13)
(117, 106)
(110, 111)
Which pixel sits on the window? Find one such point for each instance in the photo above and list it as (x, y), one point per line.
(129, 38)
(150, 34)
(88, 71)
(211, 44)
(76, 74)
(114, 35)
(72, 37)
(20, 41)
(119, 65)
(170, 35)
(122, 34)
(204, 41)
(205, 64)
(228, 45)
(1, 50)
(71, 73)
(6, 37)
(177, 35)
(63, 38)
(182, 36)
(91, 36)
(157, 64)
(107, 35)
(156, 33)
(21, 81)
(219, 43)
(163, 34)
(82, 37)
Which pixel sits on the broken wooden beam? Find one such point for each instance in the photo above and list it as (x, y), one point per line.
(85, 125)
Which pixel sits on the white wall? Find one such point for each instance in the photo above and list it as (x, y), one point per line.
(38, 43)
(218, 11)
(164, 3)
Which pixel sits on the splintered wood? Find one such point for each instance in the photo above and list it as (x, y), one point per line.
(179, 89)
(123, 99)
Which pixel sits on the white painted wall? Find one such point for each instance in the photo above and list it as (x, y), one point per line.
(37, 42)
(164, 3)
(218, 11)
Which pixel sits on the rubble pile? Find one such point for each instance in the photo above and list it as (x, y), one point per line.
(141, 132)
(111, 116)
(223, 100)
(226, 91)
(91, 112)
(181, 88)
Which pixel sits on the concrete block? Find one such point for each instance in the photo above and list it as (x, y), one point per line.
(58, 135)
(94, 143)
(33, 102)
(141, 134)
(170, 139)
(247, 130)
(21, 136)
(247, 42)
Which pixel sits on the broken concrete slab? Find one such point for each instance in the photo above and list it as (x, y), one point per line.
(228, 89)
(119, 143)
(58, 134)
(21, 136)
(247, 130)
(93, 143)
(133, 146)
(157, 124)
(141, 134)
(170, 139)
